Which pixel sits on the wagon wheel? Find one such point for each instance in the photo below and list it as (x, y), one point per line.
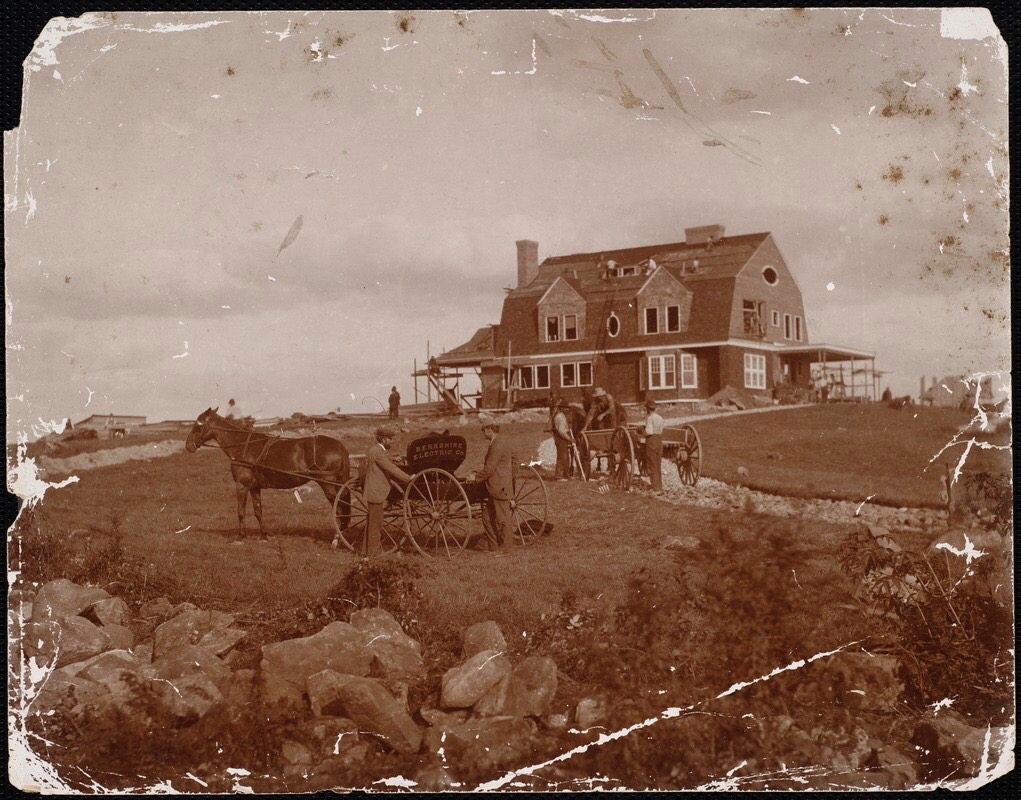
(437, 513)
(622, 449)
(689, 456)
(351, 516)
(529, 505)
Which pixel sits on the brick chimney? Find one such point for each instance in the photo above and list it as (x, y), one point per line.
(703, 234)
(528, 261)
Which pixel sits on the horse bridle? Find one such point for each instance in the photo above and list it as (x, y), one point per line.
(267, 438)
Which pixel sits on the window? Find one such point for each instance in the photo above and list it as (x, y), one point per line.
(652, 320)
(689, 371)
(542, 376)
(787, 332)
(570, 326)
(770, 276)
(552, 329)
(623, 272)
(752, 312)
(754, 371)
(613, 325)
(577, 374)
(526, 378)
(661, 372)
(797, 329)
(673, 319)
(775, 318)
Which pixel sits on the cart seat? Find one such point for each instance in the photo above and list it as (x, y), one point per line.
(438, 450)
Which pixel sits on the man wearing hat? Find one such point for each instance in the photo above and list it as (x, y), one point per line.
(654, 446)
(563, 439)
(376, 487)
(498, 474)
(603, 411)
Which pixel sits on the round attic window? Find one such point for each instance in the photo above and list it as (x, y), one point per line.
(613, 325)
(770, 276)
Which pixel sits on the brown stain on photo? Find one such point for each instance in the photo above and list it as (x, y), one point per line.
(883, 219)
(230, 71)
(894, 174)
(405, 23)
(322, 94)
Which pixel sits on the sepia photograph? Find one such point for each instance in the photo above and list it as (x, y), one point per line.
(491, 401)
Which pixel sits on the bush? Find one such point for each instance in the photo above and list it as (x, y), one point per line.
(387, 583)
(941, 617)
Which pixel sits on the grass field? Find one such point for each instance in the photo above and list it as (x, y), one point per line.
(844, 452)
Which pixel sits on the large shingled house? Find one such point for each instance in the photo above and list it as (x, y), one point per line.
(672, 322)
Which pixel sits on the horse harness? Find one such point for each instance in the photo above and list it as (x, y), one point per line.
(268, 442)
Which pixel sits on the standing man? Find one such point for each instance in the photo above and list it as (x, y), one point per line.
(563, 439)
(376, 487)
(395, 403)
(654, 446)
(498, 473)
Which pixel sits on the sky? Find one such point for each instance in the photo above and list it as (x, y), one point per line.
(289, 208)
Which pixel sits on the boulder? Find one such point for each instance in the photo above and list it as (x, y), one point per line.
(221, 640)
(189, 695)
(62, 687)
(62, 598)
(332, 735)
(188, 660)
(109, 667)
(120, 636)
(589, 712)
(464, 685)
(64, 641)
(295, 753)
(281, 699)
(160, 608)
(110, 611)
(339, 647)
(368, 704)
(490, 743)
(377, 622)
(440, 719)
(190, 627)
(483, 636)
(950, 747)
(143, 652)
(395, 655)
(533, 686)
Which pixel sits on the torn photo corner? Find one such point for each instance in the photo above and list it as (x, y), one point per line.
(510, 400)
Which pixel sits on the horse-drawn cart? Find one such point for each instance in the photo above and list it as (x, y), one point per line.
(623, 448)
(437, 511)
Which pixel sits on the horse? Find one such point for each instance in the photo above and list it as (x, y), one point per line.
(262, 461)
(576, 415)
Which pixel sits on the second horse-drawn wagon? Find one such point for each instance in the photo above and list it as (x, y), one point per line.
(623, 449)
(437, 511)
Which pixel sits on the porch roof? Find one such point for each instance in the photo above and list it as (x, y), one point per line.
(823, 353)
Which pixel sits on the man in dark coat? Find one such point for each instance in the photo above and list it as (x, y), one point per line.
(395, 403)
(376, 487)
(498, 473)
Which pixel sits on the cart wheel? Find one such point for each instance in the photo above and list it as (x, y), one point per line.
(689, 456)
(437, 513)
(529, 505)
(622, 449)
(351, 515)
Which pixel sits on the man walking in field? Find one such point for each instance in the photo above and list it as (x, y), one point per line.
(654, 446)
(395, 403)
(376, 488)
(498, 473)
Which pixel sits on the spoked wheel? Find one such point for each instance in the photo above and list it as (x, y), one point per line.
(529, 505)
(689, 456)
(437, 513)
(622, 449)
(351, 516)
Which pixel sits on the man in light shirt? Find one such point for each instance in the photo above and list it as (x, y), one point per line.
(654, 446)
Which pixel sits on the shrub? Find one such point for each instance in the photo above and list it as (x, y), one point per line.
(942, 618)
(387, 583)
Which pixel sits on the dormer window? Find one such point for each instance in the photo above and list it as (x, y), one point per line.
(623, 272)
(570, 327)
(552, 329)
